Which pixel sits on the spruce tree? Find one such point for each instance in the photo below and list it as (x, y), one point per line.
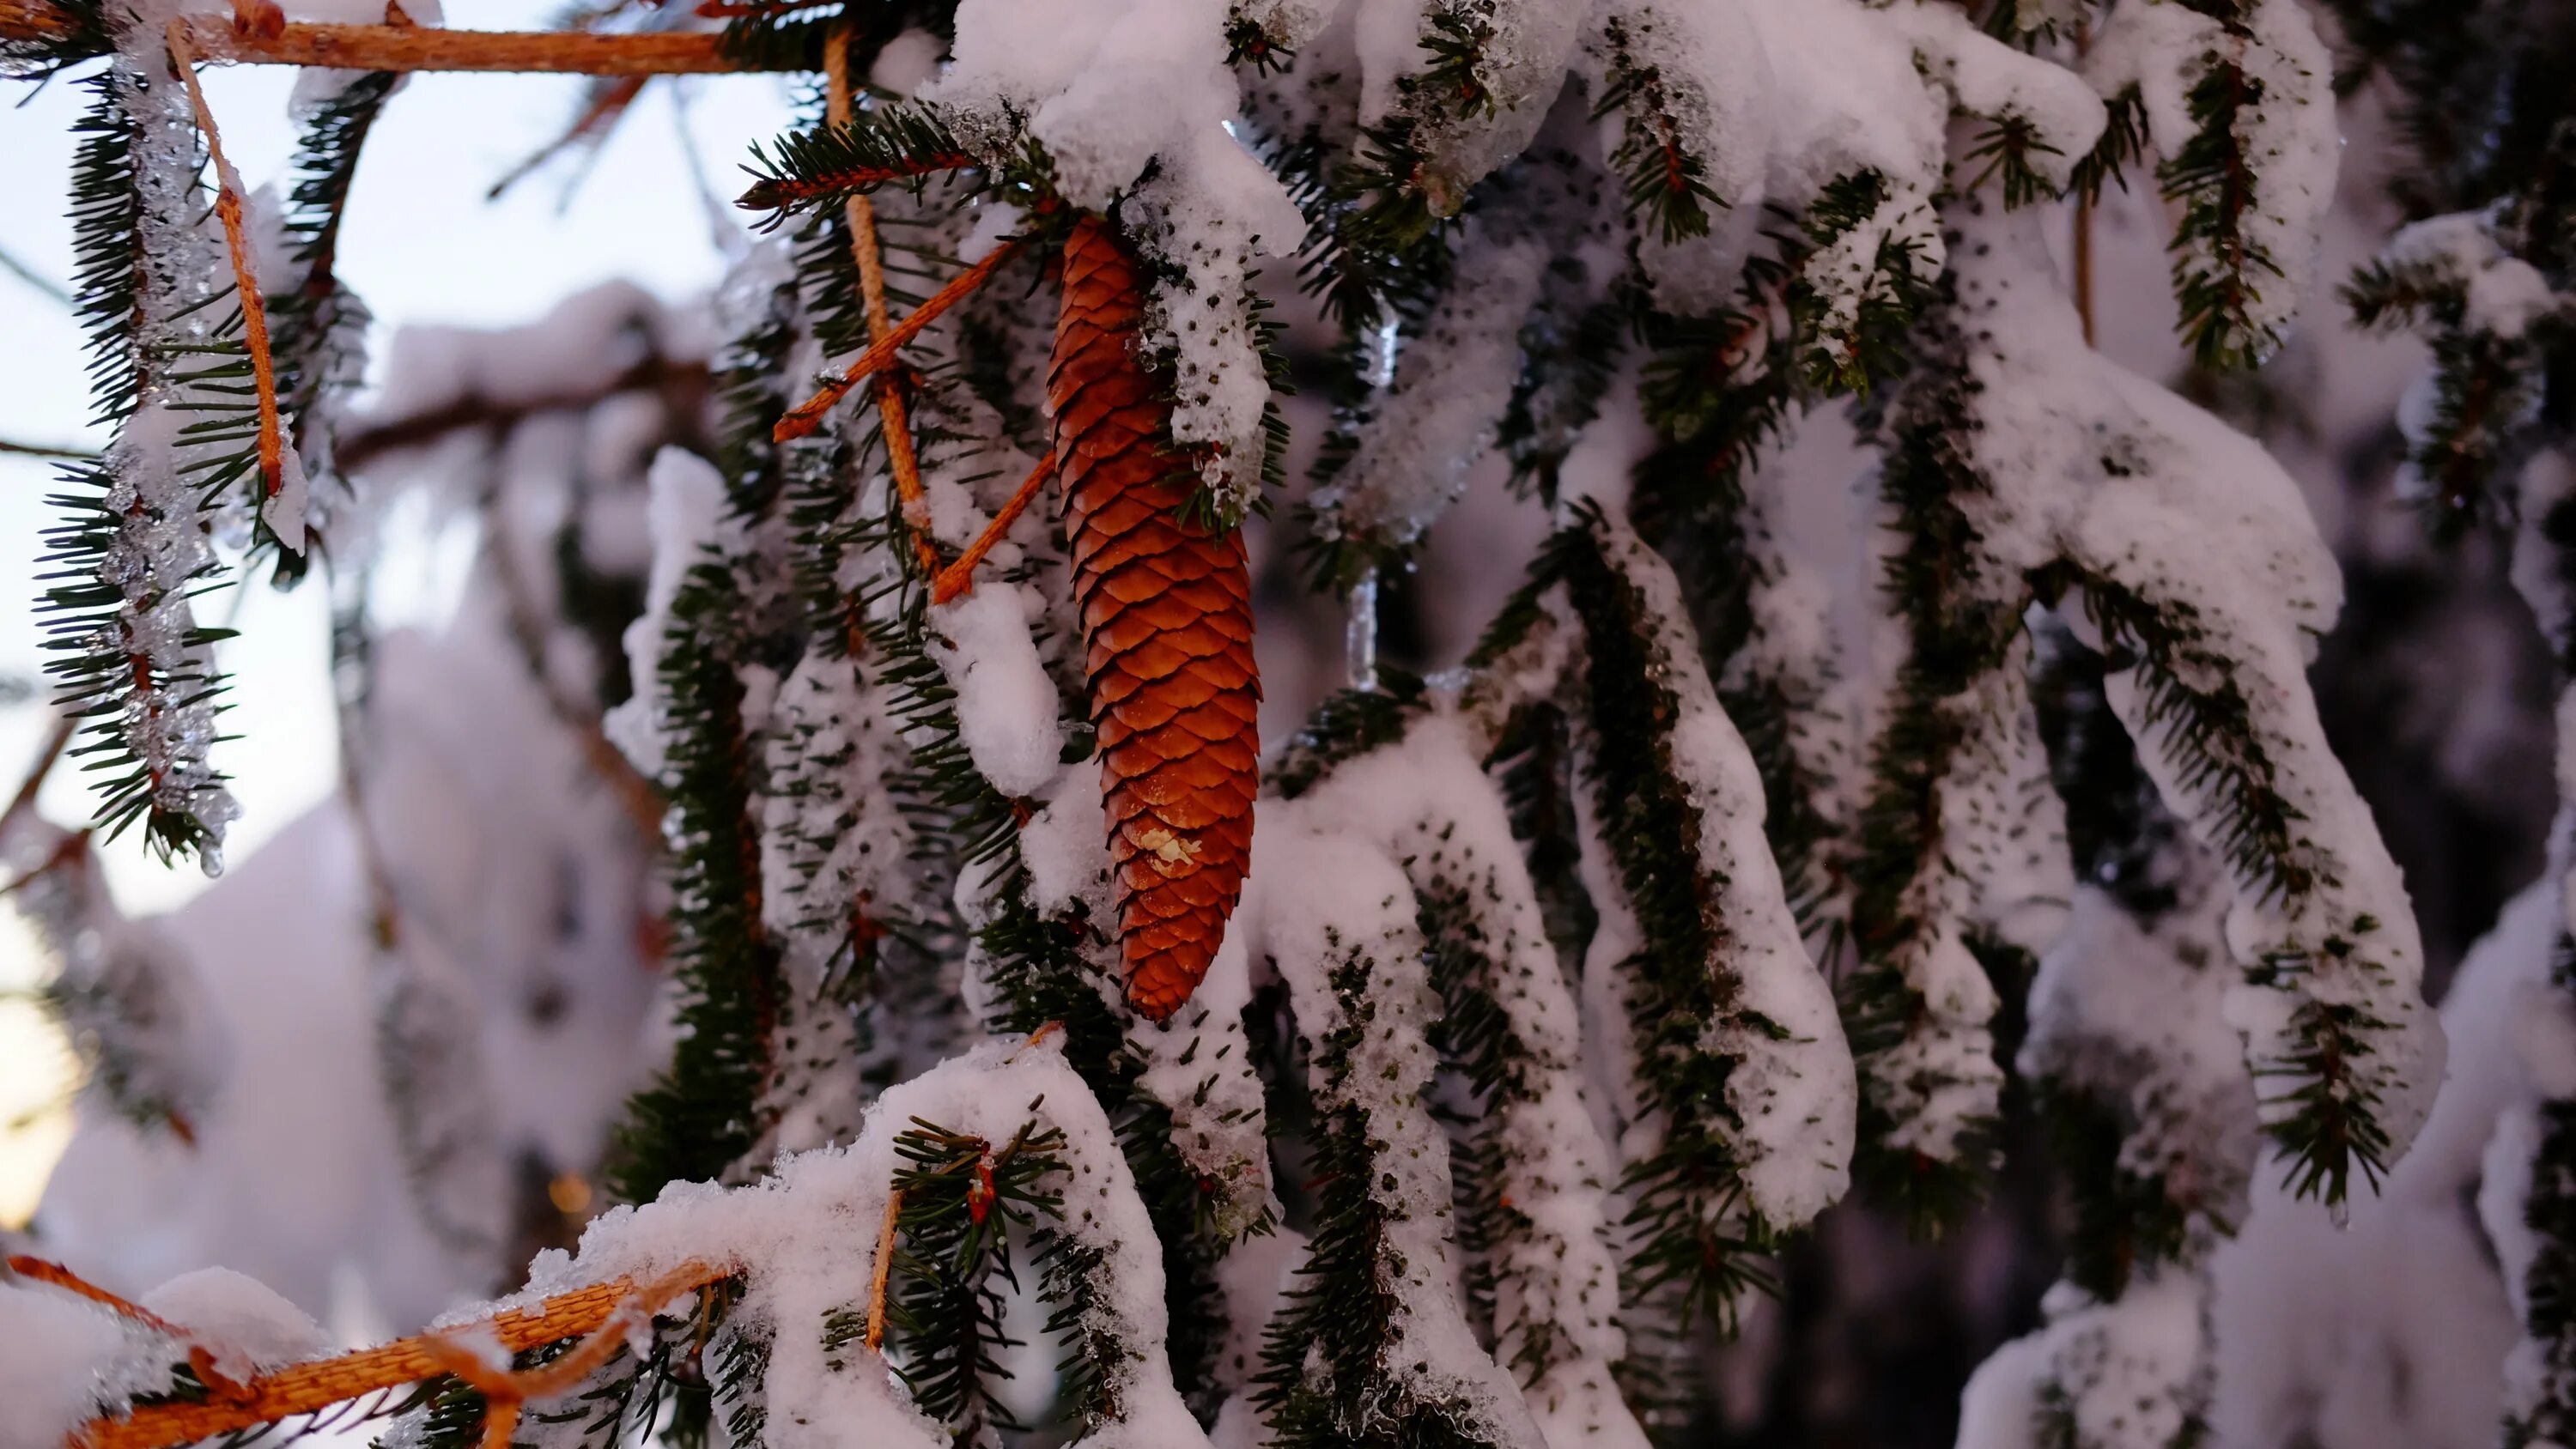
(1051, 1060)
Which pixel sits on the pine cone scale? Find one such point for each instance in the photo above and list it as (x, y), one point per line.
(1166, 613)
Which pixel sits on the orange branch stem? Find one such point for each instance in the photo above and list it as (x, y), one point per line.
(884, 1265)
(892, 412)
(428, 48)
(806, 416)
(254, 307)
(959, 577)
(308, 1387)
(777, 192)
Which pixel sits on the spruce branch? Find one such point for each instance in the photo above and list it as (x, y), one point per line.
(1665, 180)
(853, 153)
(312, 1387)
(254, 305)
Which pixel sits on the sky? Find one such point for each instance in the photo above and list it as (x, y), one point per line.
(422, 244)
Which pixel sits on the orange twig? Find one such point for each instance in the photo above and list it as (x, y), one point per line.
(959, 577)
(417, 48)
(808, 415)
(891, 409)
(565, 1373)
(777, 192)
(254, 307)
(306, 1388)
(64, 1278)
(884, 1265)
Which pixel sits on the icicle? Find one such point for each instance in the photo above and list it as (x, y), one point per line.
(1359, 633)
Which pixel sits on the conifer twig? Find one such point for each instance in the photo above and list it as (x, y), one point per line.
(56, 1275)
(505, 1389)
(895, 424)
(806, 416)
(434, 48)
(883, 1265)
(254, 307)
(48, 450)
(959, 577)
(307, 1387)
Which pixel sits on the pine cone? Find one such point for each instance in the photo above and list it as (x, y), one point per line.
(1167, 635)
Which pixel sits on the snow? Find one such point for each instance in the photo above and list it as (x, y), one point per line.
(1330, 901)
(1005, 701)
(1451, 386)
(1523, 48)
(1792, 1087)
(686, 517)
(2504, 294)
(804, 1240)
(2122, 1375)
(67, 1361)
(2198, 521)
(2288, 133)
(1716, 79)
(243, 1325)
(2132, 1012)
(1427, 803)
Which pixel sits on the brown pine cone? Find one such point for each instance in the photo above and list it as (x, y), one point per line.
(1167, 635)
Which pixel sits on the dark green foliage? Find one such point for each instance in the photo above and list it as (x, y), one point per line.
(1571, 348)
(1348, 724)
(2488, 384)
(963, 1198)
(107, 236)
(2331, 1123)
(102, 673)
(2220, 271)
(702, 1117)
(1960, 624)
(1248, 43)
(2123, 1222)
(2117, 826)
(1325, 1377)
(2003, 151)
(2124, 141)
(1875, 342)
(1665, 180)
(789, 35)
(1698, 1244)
(2549, 1283)
(811, 169)
(316, 324)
